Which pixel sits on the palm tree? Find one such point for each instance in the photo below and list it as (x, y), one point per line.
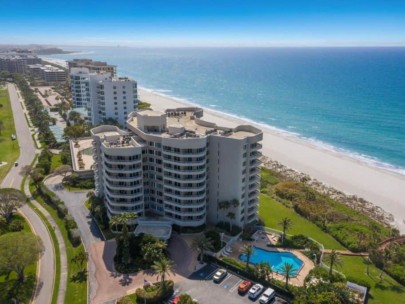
(334, 259)
(248, 251)
(162, 268)
(285, 223)
(201, 244)
(123, 219)
(224, 206)
(231, 216)
(288, 270)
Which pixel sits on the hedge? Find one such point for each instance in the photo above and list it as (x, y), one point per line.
(155, 294)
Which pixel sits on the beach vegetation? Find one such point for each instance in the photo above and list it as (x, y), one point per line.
(142, 105)
(347, 225)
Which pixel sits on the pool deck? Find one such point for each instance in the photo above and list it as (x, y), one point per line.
(261, 243)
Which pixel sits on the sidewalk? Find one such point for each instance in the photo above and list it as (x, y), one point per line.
(61, 243)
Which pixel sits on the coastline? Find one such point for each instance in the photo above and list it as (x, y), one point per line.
(381, 187)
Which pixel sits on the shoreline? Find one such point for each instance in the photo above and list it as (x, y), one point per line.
(380, 186)
(345, 172)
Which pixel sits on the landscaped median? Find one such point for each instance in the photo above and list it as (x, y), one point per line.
(76, 289)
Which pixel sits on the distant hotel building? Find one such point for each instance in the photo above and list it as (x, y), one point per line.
(93, 66)
(104, 96)
(178, 167)
(17, 62)
(48, 73)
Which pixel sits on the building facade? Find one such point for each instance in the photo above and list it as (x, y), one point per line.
(104, 96)
(178, 167)
(16, 62)
(48, 73)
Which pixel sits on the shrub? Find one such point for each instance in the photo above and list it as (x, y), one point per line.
(74, 237)
(359, 281)
(215, 238)
(16, 225)
(62, 210)
(70, 222)
(155, 294)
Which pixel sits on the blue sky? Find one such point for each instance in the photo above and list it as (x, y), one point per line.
(204, 23)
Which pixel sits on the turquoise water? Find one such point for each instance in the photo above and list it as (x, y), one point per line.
(346, 99)
(275, 259)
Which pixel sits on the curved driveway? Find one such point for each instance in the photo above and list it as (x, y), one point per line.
(46, 269)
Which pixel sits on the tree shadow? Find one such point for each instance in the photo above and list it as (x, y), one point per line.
(125, 280)
(79, 277)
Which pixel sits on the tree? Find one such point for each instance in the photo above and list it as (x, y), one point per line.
(185, 299)
(153, 251)
(123, 219)
(80, 258)
(231, 216)
(285, 224)
(63, 170)
(247, 250)
(162, 268)
(35, 174)
(223, 206)
(288, 270)
(263, 271)
(74, 132)
(201, 244)
(17, 251)
(10, 201)
(334, 259)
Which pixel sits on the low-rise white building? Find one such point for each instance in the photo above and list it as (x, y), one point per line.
(176, 166)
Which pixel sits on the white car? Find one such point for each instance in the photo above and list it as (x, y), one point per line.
(255, 291)
(268, 295)
(220, 275)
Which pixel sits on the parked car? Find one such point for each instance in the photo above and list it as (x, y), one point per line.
(280, 301)
(255, 291)
(244, 287)
(13, 137)
(220, 275)
(268, 295)
(16, 164)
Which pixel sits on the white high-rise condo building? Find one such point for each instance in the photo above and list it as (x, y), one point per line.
(178, 167)
(104, 96)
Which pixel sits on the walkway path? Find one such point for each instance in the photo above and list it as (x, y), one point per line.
(89, 231)
(46, 264)
(346, 252)
(61, 244)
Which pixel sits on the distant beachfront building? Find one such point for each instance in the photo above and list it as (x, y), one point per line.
(93, 66)
(17, 62)
(177, 167)
(48, 73)
(104, 96)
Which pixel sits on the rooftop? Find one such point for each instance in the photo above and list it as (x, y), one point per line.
(194, 126)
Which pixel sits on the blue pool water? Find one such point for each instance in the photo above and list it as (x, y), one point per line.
(275, 259)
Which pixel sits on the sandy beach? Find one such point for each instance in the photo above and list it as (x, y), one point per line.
(381, 187)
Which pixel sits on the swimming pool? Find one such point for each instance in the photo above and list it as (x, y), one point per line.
(275, 259)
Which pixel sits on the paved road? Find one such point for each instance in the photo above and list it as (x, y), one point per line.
(46, 269)
(89, 230)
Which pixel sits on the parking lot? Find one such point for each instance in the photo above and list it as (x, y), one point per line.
(202, 288)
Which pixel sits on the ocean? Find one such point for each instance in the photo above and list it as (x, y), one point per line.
(351, 100)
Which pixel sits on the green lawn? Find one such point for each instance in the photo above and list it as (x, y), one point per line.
(10, 150)
(271, 212)
(56, 162)
(10, 288)
(386, 291)
(76, 290)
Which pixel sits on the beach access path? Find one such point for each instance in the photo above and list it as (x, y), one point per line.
(383, 188)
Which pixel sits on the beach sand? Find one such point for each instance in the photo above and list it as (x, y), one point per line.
(384, 188)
